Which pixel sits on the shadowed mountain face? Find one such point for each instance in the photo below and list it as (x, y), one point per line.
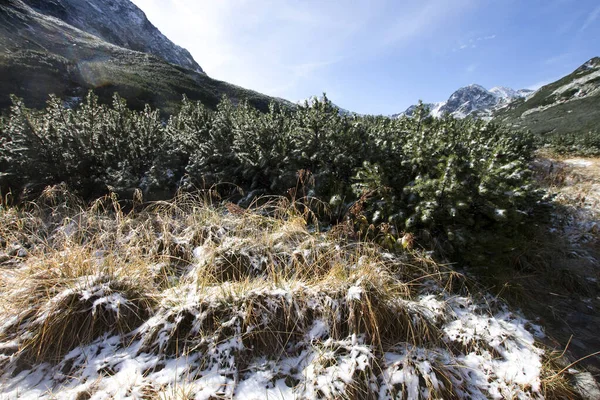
(41, 54)
(569, 105)
(118, 22)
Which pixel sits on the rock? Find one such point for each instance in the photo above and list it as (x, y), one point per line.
(587, 386)
(13, 250)
(17, 251)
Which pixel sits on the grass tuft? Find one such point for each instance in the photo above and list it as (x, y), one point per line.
(187, 297)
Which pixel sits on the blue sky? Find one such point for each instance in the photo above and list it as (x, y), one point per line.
(380, 56)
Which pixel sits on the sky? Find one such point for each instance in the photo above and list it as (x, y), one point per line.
(381, 56)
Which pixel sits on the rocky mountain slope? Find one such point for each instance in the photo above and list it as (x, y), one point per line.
(472, 100)
(41, 54)
(569, 105)
(119, 22)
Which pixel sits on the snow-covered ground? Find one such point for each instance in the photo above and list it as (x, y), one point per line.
(498, 358)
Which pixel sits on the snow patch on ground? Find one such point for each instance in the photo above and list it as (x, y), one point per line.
(499, 358)
(580, 84)
(578, 162)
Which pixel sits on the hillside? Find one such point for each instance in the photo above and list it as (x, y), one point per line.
(570, 105)
(377, 274)
(40, 55)
(119, 22)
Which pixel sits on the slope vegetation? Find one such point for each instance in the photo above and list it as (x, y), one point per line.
(569, 106)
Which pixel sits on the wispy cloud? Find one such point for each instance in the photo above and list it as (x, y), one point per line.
(590, 19)
(267, 45)
(291, 48)
(473, 43)
(420, 19)
(471, 68)
(557, 59)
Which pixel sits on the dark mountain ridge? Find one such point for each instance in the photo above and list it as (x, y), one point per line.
(41, 55)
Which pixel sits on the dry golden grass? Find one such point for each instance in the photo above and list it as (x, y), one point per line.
(184, 277)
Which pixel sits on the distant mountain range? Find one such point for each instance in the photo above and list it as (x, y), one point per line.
(569, 105)
(472, 100)
(67, 47)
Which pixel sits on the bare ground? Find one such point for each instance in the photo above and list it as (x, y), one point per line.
(569, 310)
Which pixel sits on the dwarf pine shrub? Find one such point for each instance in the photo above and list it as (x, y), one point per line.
(91, 148)
(452, 182)
(580, 143)
(449, 178)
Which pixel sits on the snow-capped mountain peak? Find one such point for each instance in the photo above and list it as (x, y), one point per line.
(509, 94)
(472, 100)
(504, 92)
(474, 86)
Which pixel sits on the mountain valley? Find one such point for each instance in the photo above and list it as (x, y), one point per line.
(167, 235)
